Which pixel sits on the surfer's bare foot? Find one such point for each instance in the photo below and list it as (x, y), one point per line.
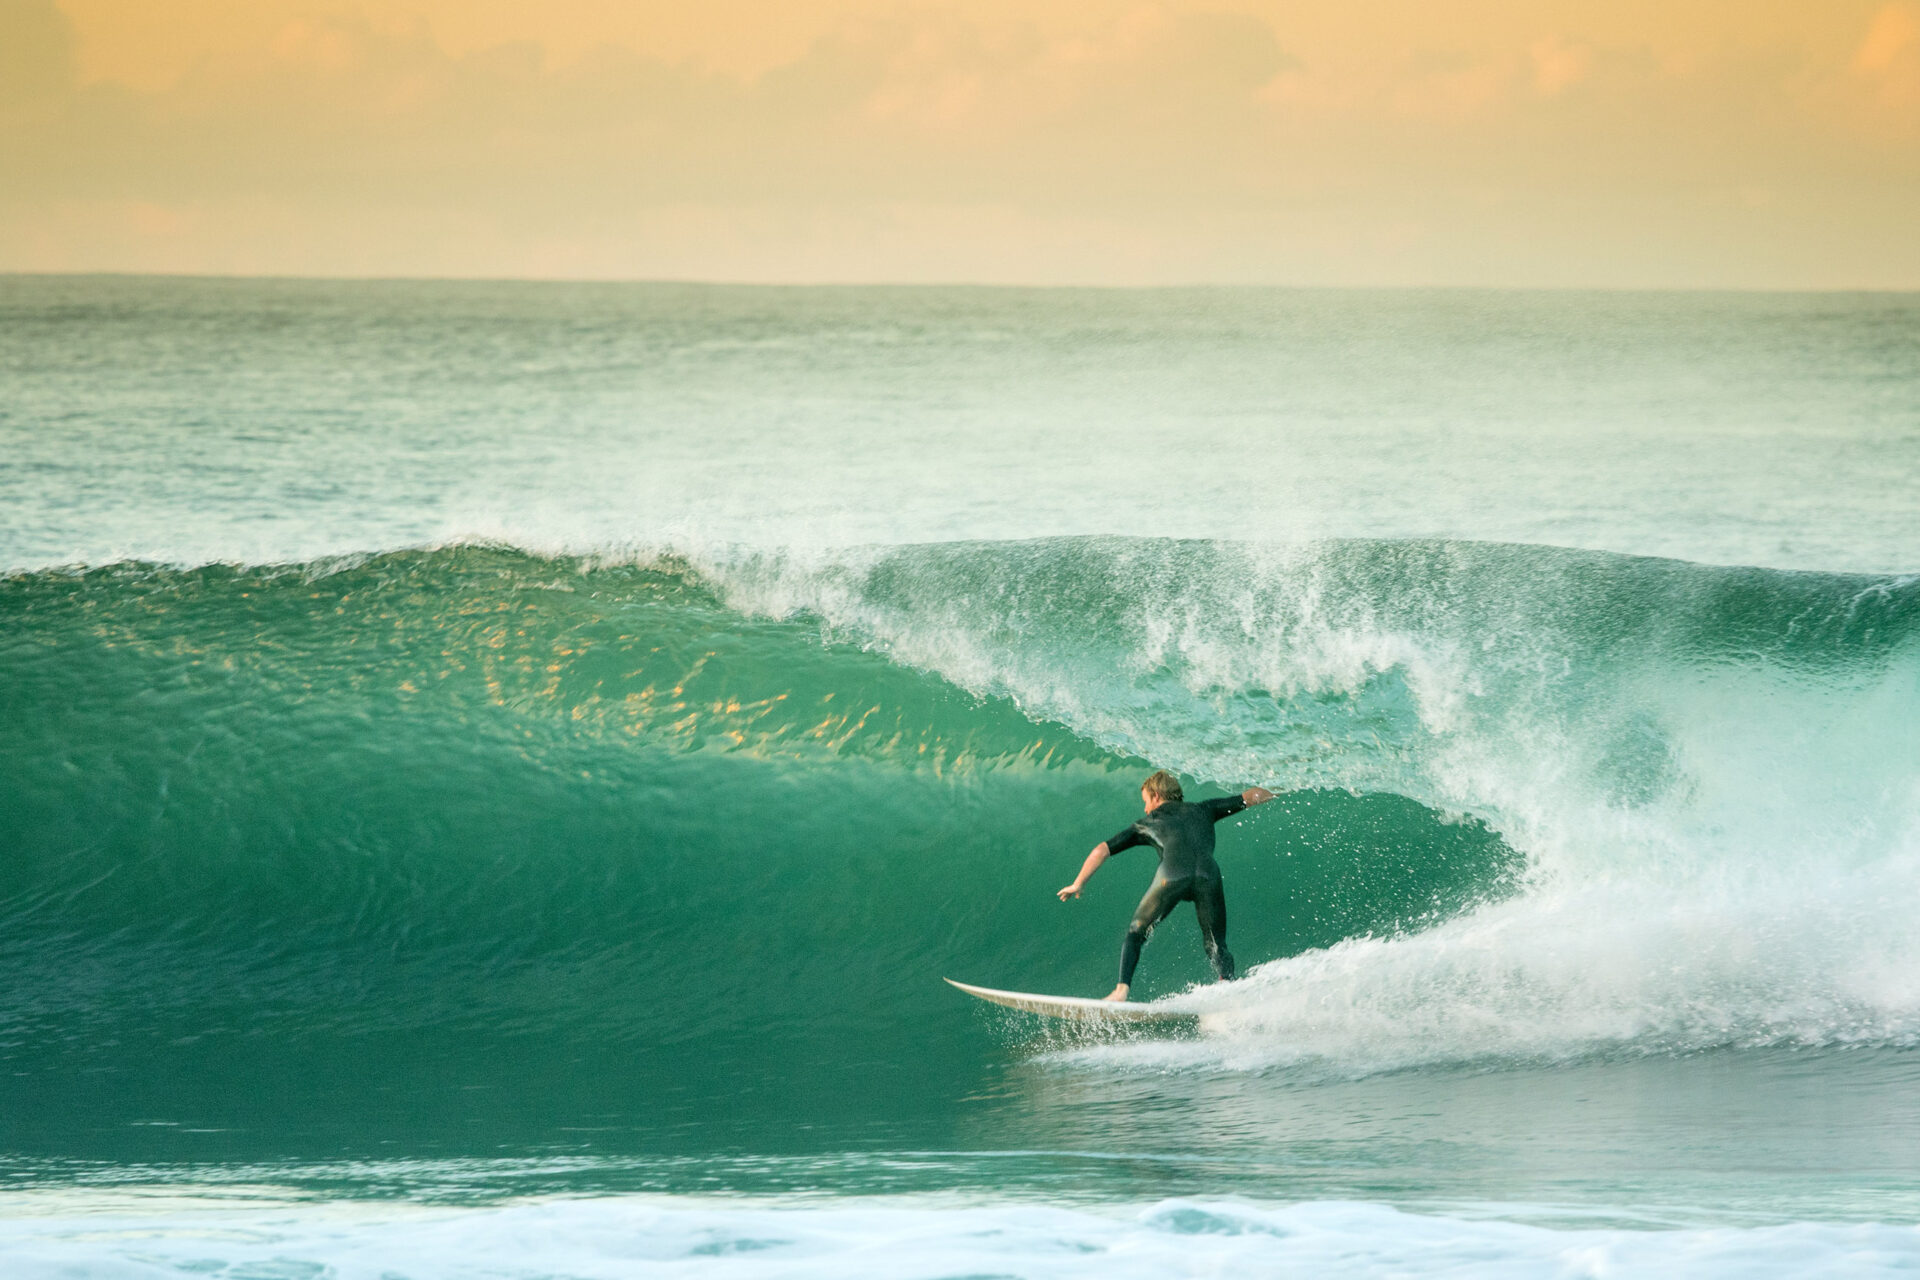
(1118, 993)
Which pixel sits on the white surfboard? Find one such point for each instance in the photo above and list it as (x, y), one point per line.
(1077, 1007)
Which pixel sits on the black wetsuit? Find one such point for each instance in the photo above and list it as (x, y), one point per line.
(1183, 833)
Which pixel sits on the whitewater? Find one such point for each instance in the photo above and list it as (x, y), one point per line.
(492, 775)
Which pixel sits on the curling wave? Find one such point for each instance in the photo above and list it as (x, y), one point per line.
(461, 799)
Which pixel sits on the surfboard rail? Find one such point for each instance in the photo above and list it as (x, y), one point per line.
(1078, 1008)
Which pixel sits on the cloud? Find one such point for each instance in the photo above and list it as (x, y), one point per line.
(1889, 60)
(1895, 30)
(1558, 63)
(914, 108)
(1157, 142)
(36, 54)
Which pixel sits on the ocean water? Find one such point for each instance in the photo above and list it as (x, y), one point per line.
(491, 776)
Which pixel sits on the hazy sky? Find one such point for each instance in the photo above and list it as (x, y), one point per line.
(1533, 142)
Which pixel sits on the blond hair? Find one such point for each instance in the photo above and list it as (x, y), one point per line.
(1163, 786)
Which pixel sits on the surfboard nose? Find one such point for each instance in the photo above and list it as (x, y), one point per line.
(1075, 1007)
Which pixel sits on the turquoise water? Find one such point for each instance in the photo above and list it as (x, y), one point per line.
(491, 777)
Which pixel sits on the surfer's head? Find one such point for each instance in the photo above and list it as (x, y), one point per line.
(1160, 788)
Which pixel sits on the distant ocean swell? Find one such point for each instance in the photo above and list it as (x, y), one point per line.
(1551, 802)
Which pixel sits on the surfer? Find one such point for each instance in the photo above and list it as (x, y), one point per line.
(1183, 833)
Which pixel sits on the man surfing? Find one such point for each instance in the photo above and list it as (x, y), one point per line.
(1183, 833)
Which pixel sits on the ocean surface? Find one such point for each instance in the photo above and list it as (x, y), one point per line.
(492, 776)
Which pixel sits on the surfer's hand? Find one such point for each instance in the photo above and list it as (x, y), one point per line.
(1071, 891)
(1256, 795)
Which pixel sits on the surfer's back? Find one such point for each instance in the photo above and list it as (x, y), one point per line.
(1183, 833)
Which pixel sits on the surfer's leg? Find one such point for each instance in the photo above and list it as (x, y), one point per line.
(1162, 897)
(1210, 904)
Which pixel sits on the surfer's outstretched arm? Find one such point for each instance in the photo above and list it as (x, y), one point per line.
(1099, 855)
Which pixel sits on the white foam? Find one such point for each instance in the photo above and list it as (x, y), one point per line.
(1723, 844)
(631, 1236)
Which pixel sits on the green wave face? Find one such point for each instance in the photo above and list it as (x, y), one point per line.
(472, 851)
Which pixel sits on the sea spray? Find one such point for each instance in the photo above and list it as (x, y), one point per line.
(1710, 772)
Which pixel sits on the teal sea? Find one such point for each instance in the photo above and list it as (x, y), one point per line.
(492, 776)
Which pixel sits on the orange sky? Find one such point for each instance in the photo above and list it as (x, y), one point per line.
(1620, 143)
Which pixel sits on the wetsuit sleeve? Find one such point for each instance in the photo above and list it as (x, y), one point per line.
(1223, 806)
(1126, 839)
